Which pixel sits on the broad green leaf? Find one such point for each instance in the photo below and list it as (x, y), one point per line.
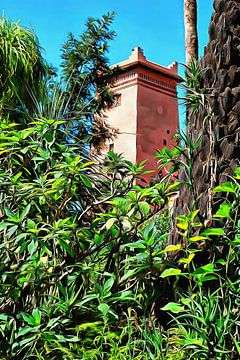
(197, 238)
(4, 317)
(108, 284)
(182, 225)
(37, 316)
(32, 247)
(213, 231)
(224, 211)
(171, 248)
(193, 214)
(170, 272)
(227, 187)
(186, 301)
(136, 245)
(187, 260)
(86, 181)
(126, 224)
(27, 330)
(144, 208)
(104, 308)
(110, 223)
(8, 213)
(206, 269)
(4, 225)
(173, 307)
(28, 319)
(12, 230)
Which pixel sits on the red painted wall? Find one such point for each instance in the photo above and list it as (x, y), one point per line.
(147, 117)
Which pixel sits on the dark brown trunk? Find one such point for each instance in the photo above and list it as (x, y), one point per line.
(219, 148)
(191, 36)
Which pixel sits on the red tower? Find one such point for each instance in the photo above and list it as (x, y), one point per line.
(145, 110)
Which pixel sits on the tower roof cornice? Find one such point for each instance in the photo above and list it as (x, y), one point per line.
(137, 59)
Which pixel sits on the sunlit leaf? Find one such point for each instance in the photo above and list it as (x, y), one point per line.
(171, 248)
(170, 272)
(173, 307)
(104, 308)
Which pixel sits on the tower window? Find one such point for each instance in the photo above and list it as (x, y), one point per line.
(164, 142)
(168, 131)
(111, 147)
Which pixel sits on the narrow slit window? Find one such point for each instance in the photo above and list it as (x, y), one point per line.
(164, 142)
(111, 147)
(168, 131)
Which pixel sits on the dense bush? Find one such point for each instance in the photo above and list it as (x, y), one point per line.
(87, 270)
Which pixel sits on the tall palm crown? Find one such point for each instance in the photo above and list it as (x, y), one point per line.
(22, 66)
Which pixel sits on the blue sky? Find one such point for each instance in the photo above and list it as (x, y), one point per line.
(154, 25)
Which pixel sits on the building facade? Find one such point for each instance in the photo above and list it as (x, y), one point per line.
(145, 109)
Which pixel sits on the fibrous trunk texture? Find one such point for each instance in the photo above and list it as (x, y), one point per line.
(218, 154)
(191, 37)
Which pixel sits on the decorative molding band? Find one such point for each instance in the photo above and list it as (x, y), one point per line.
(133, 77)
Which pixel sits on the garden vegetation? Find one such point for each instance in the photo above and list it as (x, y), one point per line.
(87, 270)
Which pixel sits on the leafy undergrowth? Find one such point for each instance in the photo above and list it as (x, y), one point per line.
(86, 272)
(86, 265)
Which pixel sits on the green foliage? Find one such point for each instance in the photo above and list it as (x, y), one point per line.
(22, 67)
(87, 75)
(86, 270)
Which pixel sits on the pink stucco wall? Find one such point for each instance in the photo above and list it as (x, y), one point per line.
(147, 116)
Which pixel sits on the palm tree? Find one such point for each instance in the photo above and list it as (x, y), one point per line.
(191, 36)
(22, 67)
(217, 119)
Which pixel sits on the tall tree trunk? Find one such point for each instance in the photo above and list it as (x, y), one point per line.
(191, 36)
(218, 154)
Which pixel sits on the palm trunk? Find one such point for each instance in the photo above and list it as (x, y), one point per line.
(191, 36)
(220, 142)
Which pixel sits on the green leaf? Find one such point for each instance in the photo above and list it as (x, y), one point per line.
(171, 248)
(37, 316)
(86, 181)
(170, 272)
(193, 214)
(227, 187)
(182, 225)
(213, 231)
(224, 211)
(206, 269)
(136, 245)
(173, 307)
(25, 330)
(16, 177)
(8, 213)
(187, 260)
(32, 247)
(104, 308)
(108, 284)
(186, 301)
(28, 318)
(12, 230)
(25, 211)
(128, 274)
(144, 208)
(110, 223)
(197, 238)
(126, 224)
(4, 225)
